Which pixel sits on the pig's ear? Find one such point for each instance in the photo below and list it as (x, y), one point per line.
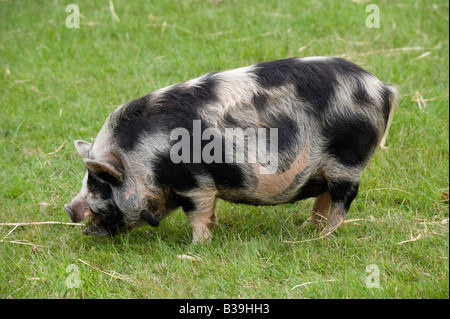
(105, 170)
(83, 148)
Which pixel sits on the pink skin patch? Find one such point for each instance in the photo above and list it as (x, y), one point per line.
(128, 193)
(86, 213)
(275, 183)
(150, 194)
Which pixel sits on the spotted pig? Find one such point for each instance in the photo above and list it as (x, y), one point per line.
(270, 133)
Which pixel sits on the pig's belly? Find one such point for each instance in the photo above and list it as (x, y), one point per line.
(311, 188)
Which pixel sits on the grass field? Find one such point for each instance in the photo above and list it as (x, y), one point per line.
(58, 84)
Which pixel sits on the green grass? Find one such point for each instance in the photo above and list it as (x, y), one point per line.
(59, 84)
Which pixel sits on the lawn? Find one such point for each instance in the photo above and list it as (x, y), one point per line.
(58, 84)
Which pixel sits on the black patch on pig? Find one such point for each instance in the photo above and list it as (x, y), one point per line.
(314, 80)
(360, 95)
(111, 219)
(350, 140)
(181, 176)
(276, 73)
(312, 188)
(177, 107)
(177, 176)
(287, 127)
(186, 203)
(343, 191)
(108, 178)
(133, 121)
(227, 175)
(98, 186)
(287, 133)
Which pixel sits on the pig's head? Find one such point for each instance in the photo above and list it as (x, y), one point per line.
(112, 202)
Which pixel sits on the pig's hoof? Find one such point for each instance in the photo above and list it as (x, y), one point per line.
(201, 239)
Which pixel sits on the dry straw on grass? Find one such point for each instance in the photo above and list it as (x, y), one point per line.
(39, 224)
(310, 283)
(26, 242)
(112, 274)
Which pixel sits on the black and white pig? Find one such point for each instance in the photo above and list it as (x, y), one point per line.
(270, 133)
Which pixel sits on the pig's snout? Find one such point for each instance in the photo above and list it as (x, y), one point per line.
(70, 212)
(77, 211)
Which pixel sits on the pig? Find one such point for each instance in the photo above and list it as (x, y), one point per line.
(168, 149)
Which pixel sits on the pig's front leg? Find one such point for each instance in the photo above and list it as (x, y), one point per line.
(200, 213)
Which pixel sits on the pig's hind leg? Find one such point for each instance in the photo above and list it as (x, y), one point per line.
(342, 193)
(321, 209)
